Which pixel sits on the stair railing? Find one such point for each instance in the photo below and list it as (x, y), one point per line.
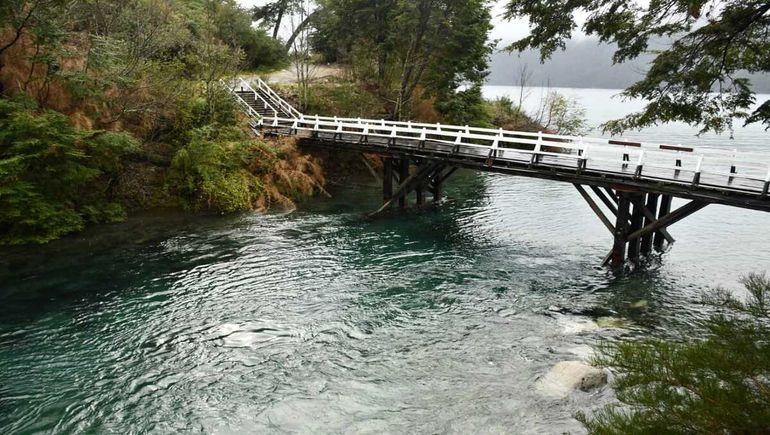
(279, 101)
(243, 84)
(250, 111)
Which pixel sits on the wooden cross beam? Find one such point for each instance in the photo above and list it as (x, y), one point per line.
(650, 216)
(611, 205)
(407, 185)
(591, 203)
(669, 219)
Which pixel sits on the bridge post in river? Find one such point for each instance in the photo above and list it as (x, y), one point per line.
(630, 186)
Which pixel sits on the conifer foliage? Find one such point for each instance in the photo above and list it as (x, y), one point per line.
(717, 384)
(53, 177)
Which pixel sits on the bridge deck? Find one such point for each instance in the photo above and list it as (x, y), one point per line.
(707, 174)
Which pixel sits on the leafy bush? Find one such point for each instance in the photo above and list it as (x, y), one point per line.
(506, 114)
(719, 384)
(52, 175)
(223, 170)
(210, 172)
(343, 99)
(465, 107)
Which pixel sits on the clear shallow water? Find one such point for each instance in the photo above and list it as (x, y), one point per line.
(322, 321)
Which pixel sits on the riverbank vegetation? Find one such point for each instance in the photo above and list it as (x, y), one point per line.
(718, 383)
(115, 105)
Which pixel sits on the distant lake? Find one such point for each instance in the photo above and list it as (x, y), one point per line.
(602, 105)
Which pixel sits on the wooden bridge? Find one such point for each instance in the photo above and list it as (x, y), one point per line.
(635, 182)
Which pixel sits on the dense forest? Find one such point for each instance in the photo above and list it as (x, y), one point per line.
(113, 106)
(117, 105)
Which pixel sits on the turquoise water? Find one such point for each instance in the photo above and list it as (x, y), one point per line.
(323, 321)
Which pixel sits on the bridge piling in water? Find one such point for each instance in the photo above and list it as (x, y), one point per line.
(651, 210)
(411, 175)
(639, 225)
(659, 239)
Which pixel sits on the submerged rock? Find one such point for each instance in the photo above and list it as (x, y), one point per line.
(576, 325)
(568, 376)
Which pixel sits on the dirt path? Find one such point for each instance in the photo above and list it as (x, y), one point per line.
(289, 75)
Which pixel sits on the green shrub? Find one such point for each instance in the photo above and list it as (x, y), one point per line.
(344, 100)
(52, 175)
(717, 384)
(211, 172)
(466, 107)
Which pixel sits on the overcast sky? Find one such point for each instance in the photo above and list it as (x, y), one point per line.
(504, 30)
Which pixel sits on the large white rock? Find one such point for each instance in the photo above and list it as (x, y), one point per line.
(568, 376)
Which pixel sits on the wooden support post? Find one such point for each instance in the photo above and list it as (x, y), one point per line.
(637, 221)
(665, 208)
(387, 180)
(403, 174)
(407, 185)
(419, 192)
(618, 255)
(669, 219)
(438, 185)
(652, 207)
(438, 179)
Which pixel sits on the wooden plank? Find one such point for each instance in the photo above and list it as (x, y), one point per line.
(625, 143)
(676, 148)
(598, 211)
(611, 205)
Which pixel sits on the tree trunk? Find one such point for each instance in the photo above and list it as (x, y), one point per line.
(299, 29)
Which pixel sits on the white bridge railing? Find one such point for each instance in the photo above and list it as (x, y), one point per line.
(723, 168)
(704, 166)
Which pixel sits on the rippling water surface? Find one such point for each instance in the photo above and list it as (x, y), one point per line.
(323, 321)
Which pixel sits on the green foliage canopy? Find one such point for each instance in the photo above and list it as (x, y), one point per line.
(402, 46)
(698, 78)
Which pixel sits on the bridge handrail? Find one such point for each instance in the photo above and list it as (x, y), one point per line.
(290, 110)
(748, 156)
(577, 148)
(246, 107)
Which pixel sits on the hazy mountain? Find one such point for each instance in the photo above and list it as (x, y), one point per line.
(585, 64)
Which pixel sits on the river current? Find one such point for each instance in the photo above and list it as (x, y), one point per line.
(322, 321)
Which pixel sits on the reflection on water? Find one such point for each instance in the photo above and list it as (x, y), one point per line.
(325, 321)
